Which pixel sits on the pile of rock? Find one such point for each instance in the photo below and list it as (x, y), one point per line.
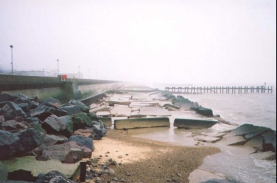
(47, 129)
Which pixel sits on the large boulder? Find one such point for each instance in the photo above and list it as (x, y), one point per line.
(51, 140)
(9, 144)
(269, 141)
(42, 112)
(29, 140)
(81, 120)
(80, 104)
(71, 109)
(5, 97)
(99, 130)
(82, 141)
(32, 120)
(3, 172)
(55, 125)
(52, 101)
(12, 110)
(12, 125)
(53, 177)
(203, 111)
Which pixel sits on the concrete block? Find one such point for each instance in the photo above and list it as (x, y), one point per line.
(194, 123)
(141, 123)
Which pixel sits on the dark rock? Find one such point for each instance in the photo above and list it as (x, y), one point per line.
(38, 128)
(82, 141)
(80, 104)
(3, 172)
(71, 109)
(50, 140)
(9, 144)
(269, 141)
(42, 112)
(81, 120)
(54, 125)
(248, 131)
(11, 125)
(32, 120)
(5, 97)
(84, 132)
(86, 151)
(99, 130)
(204, 111)
(11, 110)
(93, 116)
(51, 102)
(21, 175)
(29, 140)
(2, 119)
(183, 102)
(53, 177)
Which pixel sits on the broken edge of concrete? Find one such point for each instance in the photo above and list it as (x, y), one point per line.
(132, 123)
(194, 123)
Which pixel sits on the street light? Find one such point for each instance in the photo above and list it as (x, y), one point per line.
(79, 71)
(58, 66)
(89, 73)
(12, 57)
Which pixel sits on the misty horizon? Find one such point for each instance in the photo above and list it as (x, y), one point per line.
(189, 42)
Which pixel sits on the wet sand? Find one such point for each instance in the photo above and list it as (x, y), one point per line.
(140, 160)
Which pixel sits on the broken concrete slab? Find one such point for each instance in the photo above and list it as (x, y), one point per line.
(101, 108)
(234, 140)
(141, 123)
(121, 111)
(269, 141)
(204, 138)
(103, 114)
(248, 131)
(154, 111)
(194, 123)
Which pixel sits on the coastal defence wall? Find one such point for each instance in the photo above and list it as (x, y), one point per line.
(44, 87)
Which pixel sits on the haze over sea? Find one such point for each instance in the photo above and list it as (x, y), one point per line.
(253, 108)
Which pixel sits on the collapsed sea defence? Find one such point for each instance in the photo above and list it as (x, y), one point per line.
(121, 124)
(193, 123)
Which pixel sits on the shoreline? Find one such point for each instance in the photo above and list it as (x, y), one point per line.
(141, 160)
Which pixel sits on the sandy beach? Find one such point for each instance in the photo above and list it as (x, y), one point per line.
(139, 160)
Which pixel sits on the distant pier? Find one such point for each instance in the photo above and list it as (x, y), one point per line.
(221, 89)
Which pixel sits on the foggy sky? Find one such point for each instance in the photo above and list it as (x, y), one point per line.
(168, 41)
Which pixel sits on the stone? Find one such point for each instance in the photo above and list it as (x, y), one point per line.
(99, 130)
(5, 97)
(50, 140)
(29, 139)
(121, 124)
(11, 110)
(269, 141)
(21, 175)
(204, 111)
(203, 138)
(52, 101)
(81, 120)
(80, 104)
(194, 123)
(71, 109)
(3, 172)
(53, 176)
(85, 151)
(32, 120)
(84, 132)
(9, 144)
(62, 125)
(42, 112)
(12, 125)
(82, 141)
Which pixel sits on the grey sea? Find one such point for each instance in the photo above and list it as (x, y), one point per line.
(253, 108)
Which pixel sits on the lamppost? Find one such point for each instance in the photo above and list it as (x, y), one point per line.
(43, 72)
(89, 73)
(12, 57)
(78, 71)
(58, 66)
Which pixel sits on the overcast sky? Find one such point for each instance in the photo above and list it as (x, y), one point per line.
(169, 41)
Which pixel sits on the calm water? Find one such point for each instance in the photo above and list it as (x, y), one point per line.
(257, 109)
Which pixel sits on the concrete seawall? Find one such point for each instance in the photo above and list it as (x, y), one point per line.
(44, 87)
